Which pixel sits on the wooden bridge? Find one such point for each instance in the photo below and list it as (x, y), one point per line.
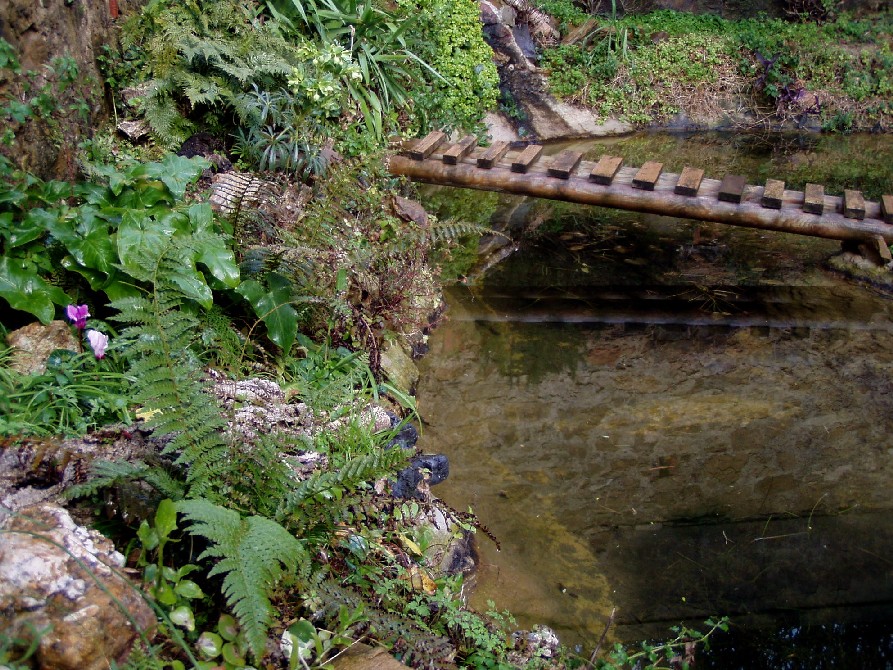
(608, 183)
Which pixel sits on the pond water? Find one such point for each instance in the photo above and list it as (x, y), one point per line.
(664, 420)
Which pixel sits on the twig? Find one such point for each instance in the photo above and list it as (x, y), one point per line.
(602, 638)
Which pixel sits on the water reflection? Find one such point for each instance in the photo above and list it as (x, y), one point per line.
(706, 432)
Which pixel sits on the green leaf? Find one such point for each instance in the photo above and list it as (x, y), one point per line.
(188, 589)
(228, 627)
(21, 232)
(140, 235)
(147, 535)
(303, 630)
(166, 518)
(23, 289)
(183, 617)
(209, 645)
(177, 172)
(95, 251)
(213, 251)
(273, 307)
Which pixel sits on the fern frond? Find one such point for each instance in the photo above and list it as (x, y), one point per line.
(108, 474)
(449, 230)
(355, 472)
(255, 554)
(169, 383)
(158, 106)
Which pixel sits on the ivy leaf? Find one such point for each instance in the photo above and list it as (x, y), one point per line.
(177, 172)
(23, 289)
(138, 235)
(193, 285)
(21, 232)
(214, 253)
(273, 307)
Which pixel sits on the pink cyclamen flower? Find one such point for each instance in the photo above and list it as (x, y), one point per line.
(98, 342)
(78, 315)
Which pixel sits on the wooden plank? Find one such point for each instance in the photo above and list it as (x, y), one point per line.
(883, 249)
(526, 158)
(425, 147)
(887, 208)
(565, 163)
(456, 152)
(493, 153)
(732, 188)
(814, 199)
(648, 175)
(773, 194)
(853, 204)
(605, 170)
(689, 181)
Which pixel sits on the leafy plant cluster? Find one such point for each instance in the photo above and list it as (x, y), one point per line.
(645, 68)
(288, 77)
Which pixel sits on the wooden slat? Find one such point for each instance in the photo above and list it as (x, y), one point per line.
(853, 204)
(565, 163)
(493, 153)
(883, 248)
(526, 158)
(773, 194)
(732, 188)
(887, 208)
(689, 181)
(456, 152)
(425, 147)
(648, 175)
(814, 199)
(605, 170)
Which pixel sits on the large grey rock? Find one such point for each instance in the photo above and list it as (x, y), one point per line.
(62, 582)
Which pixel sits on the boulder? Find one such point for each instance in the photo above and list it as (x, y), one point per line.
(33, 344)
(62, 584)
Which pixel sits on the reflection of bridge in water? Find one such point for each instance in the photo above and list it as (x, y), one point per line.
(608, 183)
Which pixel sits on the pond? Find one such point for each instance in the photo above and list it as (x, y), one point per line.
(664, 420)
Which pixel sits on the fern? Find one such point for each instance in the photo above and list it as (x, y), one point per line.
(167, 372)
(310, 503)
(107, 474)
(256, 553)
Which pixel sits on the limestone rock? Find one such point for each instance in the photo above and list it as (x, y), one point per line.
(398, 366)
(62, 579)
(35, 342)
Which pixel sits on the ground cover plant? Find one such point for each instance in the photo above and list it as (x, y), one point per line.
(648, 68)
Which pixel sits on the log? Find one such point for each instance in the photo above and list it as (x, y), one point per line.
(705, 206)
